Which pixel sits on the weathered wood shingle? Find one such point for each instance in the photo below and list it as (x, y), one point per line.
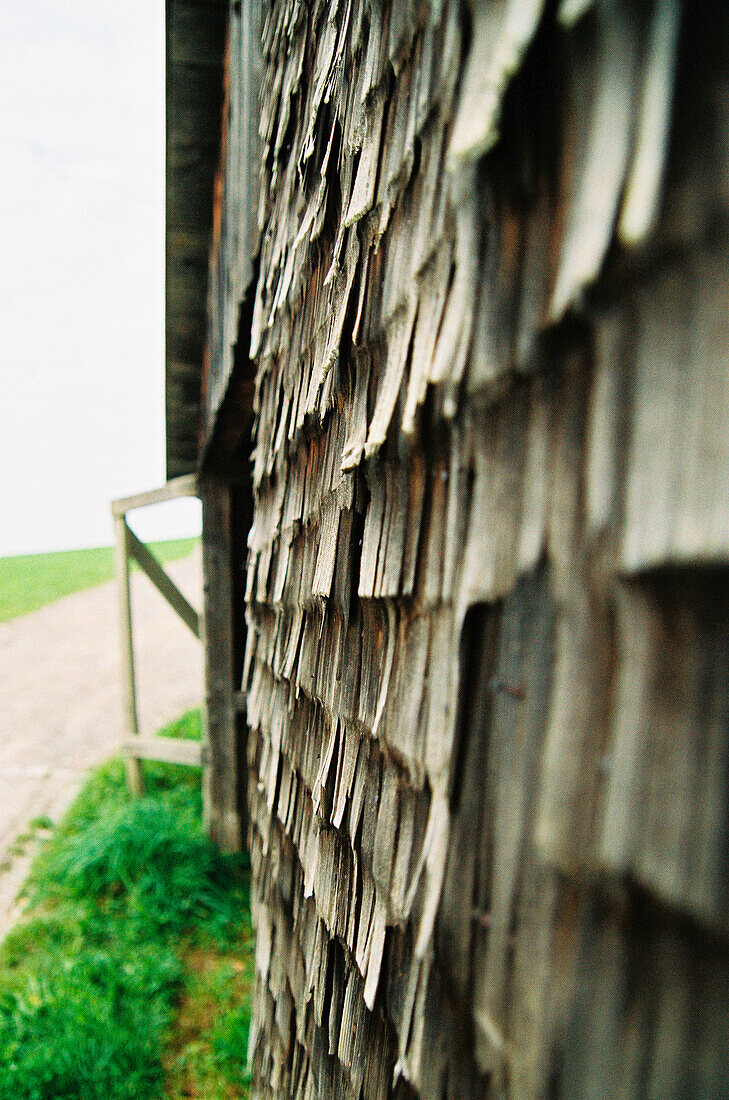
(487, 590)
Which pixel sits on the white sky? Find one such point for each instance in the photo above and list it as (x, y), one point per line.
(81, 271)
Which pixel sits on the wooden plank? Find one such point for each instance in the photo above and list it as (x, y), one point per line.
(169, 750)
(164, 585)
(221, 777)
(178, 487)
(121, 560)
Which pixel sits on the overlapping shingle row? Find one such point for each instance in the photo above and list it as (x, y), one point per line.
(488, 612)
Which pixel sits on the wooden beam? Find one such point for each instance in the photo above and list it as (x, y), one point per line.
(164, 585)
(168, 750)
(178, 487)
(121, 559)
(220, 778)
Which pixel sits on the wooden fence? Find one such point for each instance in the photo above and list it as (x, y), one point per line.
(128, 547)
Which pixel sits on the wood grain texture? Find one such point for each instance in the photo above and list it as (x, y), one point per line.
(487, 587)
(221, 775)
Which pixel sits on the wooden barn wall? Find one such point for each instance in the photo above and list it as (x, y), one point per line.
(488, 612)
(235, 238)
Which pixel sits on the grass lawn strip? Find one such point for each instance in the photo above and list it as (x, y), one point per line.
(130, 975)
(31, 581)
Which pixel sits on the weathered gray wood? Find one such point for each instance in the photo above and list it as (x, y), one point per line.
(178, 487)
(128, 545)
(164, 585)
(121, 559)
(677, 477)
(220, 782)
(605, 159)
(168, 750)
(195, 39)
(486, 862)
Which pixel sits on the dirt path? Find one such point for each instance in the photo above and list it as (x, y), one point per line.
(60, 699)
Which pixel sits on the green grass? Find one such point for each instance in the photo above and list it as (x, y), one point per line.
(130, 976)
(33, 580)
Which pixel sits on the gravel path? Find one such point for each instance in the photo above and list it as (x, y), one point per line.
(60, 699)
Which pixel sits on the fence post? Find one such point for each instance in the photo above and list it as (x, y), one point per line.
(220, 788)
(121, 559)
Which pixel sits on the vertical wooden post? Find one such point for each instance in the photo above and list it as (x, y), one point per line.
(220, 777)
(121, 558)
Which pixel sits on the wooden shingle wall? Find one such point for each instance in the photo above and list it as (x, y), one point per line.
(488, 611)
